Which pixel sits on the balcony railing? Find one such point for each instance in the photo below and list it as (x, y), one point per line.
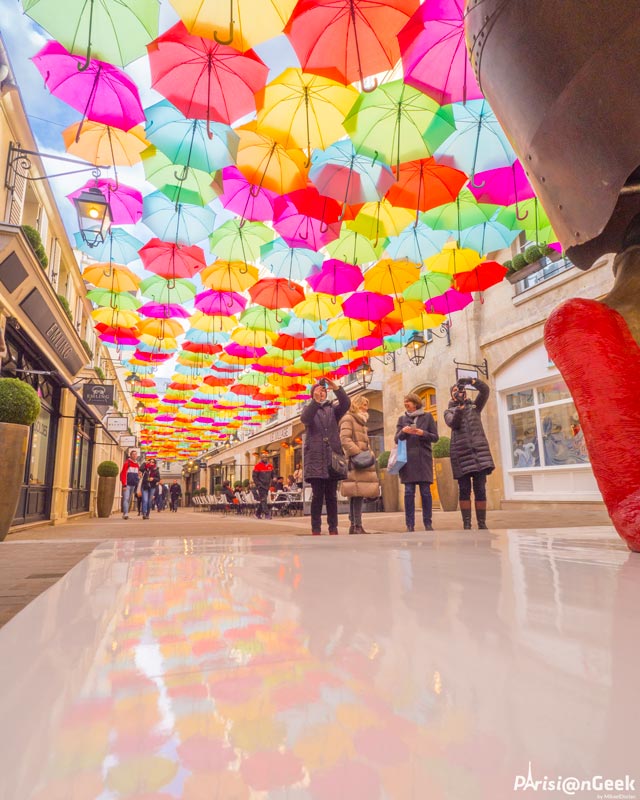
(548, 269)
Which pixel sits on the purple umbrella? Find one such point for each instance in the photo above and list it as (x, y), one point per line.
(336, 277)
(101, 92)
(367, 306)
(503, 186)
(163, 310)
(125, 202)
(448, 302)
(223, 304)
(251, 202)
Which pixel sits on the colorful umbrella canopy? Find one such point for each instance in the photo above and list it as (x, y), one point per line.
(294, 263)
(101, 92)
(113, 277)
(276, 293)
(265, 163)
(248, 201)
(390, 277)
(236, 240)
(352, 247)
(367, 306)
(204, 79)
(480, 278)
(416, 242)
(186, 185)
(434, 52)
(103, 144)
(425, 184)
(170, 260)
(428, 286)
(118, 246)
(348, 40)
(307, 219)
(224, 304)
(504, 186)
(229, 276)
(125, 202)
(336, 277)
(181, 223)
(161, 290)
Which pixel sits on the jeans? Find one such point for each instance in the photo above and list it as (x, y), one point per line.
(479, 485)
(127, 492)
(146, 497)
(324, 490)
(263, 502)
(410, 503)
(355, 510)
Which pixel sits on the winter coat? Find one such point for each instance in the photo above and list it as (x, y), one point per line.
(419, 466)
(262, 475)
(321, 434)
(130, 466)
(469, 446)
(355, 439)
(149, 477)
(175, 490)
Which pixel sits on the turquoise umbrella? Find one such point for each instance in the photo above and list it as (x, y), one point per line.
(294, 263)
(416, 242)
(181, 223)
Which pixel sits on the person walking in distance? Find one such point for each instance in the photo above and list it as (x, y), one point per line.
(361, 483)
(129, 477)
(149, 478)
(418, 428)
(262, 477)
(175, 493)
(320, 418)
(471, 459)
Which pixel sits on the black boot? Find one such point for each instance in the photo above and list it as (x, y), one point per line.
(481, 514)
(465, 510)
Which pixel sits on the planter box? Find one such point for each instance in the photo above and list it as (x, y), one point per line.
(447, 485)
(519, 274)
(14, 454)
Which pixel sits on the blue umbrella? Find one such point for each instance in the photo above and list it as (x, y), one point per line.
(204, 337)
(416, 242)
(183, 224)
(119, 247)
(301, 327)
(185, 141)
(487, 237)
(294, 263)
(478, 143)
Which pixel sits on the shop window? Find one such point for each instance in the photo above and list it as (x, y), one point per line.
(39, 448)
(544, 427)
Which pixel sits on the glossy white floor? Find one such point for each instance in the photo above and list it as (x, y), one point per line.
(451, 665)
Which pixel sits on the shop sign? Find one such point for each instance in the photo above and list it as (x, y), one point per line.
(97, 394)
(117, 424)
(280, 433)
(36, 309)
(127, 441)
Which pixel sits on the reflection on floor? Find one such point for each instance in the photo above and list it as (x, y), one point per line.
(424, 666)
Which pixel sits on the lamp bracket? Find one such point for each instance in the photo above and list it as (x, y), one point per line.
(444, 332)
(19, 166)
(483, 368)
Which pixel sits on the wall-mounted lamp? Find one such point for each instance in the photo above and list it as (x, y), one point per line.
(416, 349)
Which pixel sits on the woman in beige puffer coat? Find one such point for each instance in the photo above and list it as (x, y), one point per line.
(360, 483)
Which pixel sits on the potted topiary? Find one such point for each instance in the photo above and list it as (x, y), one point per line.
(447, 486)
(19, 409)
(389, 484)
(108, 472)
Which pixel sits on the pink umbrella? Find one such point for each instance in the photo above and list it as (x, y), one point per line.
(101, 92)
(223, 304)
(367, 306)
(336, 277)
(503, 186)
(125, 202)
(266, 770)
(448, 302)
(251, 202)
(170, 260)
(163, 310)
(434, 53)
(244, 351)
(305, 218)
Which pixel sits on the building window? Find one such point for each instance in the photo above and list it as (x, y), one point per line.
(544, 427)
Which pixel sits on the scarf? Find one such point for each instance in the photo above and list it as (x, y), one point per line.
(413, 414)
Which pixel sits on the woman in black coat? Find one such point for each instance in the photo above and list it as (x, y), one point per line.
(418, 428)
(322, 438)
(471, 459)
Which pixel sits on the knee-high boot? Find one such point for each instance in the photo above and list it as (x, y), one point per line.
(481, 514)
(465, 510)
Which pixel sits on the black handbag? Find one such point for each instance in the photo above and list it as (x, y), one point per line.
(363, 460)
(338, 467)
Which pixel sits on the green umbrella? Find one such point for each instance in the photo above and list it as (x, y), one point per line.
(431, 284)
(165, 291)
(258, 318)
(463, 212)
(398, 123)
(116, 31)
(123, 301)
(238, 240)
(529, 216)
(179, 183)
(353, 247)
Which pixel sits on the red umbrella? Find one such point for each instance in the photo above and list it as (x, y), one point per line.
(276, 293)
(321, 356)
(424, 184)
(287, 342)
(201, 347)
(170, 260)
(305, 218)
(479, 278)
(204, 79)
(347, 40)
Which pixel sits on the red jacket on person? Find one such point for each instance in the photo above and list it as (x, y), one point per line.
(263, 475)
(129, 465)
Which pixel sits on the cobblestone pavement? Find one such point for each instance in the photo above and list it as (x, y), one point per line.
(33, 559)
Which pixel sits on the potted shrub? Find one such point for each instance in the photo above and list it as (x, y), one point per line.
(35, 240)
(447, 486)
(390, 484)
(19, 409)
(108, 472)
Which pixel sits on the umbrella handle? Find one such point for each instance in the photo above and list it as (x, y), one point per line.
(371, 88)
(524, 216)
(87, 61)
(475, 185)
(230, 39)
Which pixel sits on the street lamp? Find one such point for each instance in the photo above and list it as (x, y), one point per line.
(364, 374)
(416, 349)
(94, 216)
(140, 408)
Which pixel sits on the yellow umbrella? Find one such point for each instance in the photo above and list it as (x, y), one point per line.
(102, 144)
(229, 276)
(424, 321)
(347, 328)
(212, 324)
(167, 343)
(404, 310)
(318, 306)
(266, 163)
(453, 259)
(379, 220)
(391, 277)
(251, 21)
(302, 110)
(115, 318)
(160, 328)
(251, 338)
(114, 277)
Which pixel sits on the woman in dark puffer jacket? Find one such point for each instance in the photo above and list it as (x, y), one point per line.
(320, 417)
(470, 454)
